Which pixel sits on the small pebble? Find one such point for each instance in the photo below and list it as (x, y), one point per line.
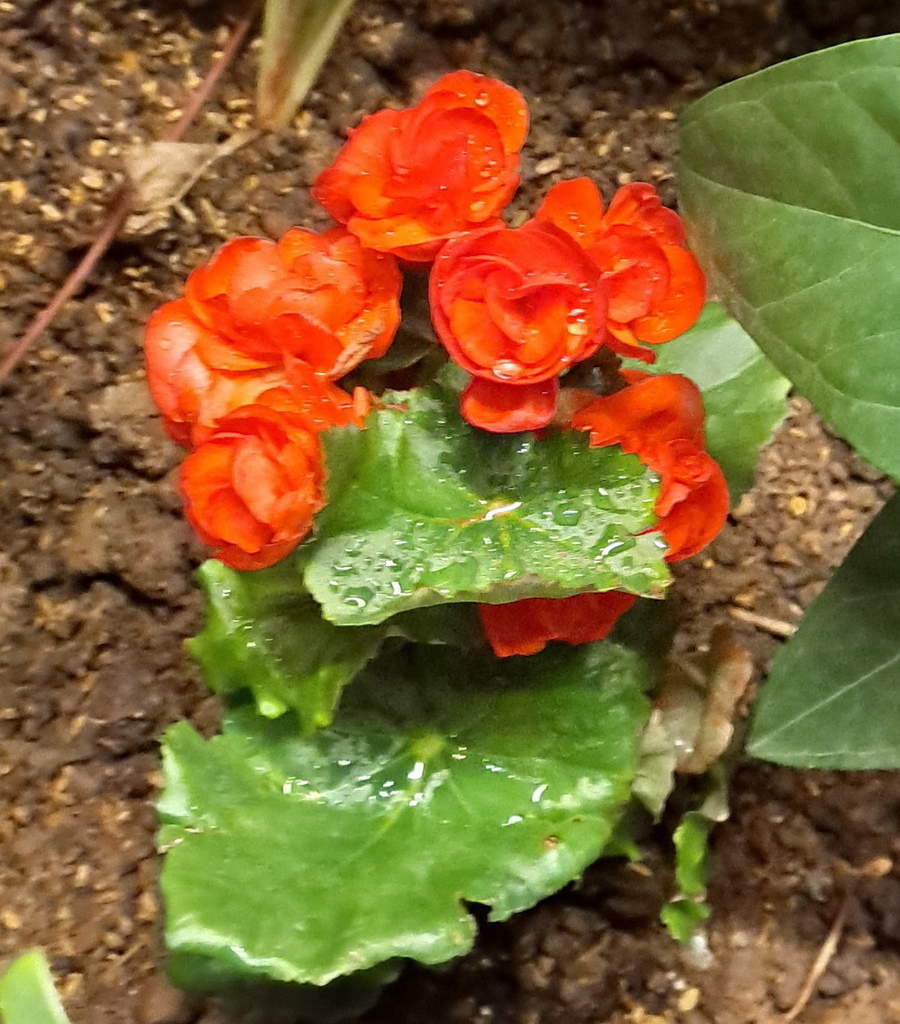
(688, 1000)
(798, 505)
(548, 165)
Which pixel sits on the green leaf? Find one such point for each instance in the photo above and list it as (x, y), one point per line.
(338, 1001)
(297, 36)
(790, 190)
(690, 840)
(264, 633)
(682, 917)
(445, 779)
(27, 995)
(688, 908)
(743, 394)
(831, 697)
(423, 509)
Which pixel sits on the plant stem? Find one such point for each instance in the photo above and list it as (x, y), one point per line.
(297, 37)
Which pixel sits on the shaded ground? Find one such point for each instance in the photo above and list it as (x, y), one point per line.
(94, 572)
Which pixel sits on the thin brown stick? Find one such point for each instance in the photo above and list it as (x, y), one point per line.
(118, 211)
(120, 204)
(829, 948)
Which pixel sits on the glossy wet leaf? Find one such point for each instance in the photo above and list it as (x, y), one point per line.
(264, 633)
(744, 396)
(27, 993)
(831, 697)
(424, 509)
(297, 37)
(789, 186)
(445, 779)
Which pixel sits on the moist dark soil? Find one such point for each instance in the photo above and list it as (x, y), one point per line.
(95, 591)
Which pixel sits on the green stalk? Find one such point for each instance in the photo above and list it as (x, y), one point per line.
(297, 36)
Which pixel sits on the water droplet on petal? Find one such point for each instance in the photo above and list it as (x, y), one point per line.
(482, 99)
(578, 328)
(506, 369)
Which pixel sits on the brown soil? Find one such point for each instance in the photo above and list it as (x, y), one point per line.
(95, 593)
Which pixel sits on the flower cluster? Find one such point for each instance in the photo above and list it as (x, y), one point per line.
(246, 367)
(242, 370)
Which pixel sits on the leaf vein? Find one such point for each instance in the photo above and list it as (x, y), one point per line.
(814, 708)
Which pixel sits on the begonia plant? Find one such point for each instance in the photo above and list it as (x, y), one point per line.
(434, 596)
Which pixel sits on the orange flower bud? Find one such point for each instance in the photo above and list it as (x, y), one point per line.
(190, 394)
(660, 419)
(408, 180)
(506, 409)
(651, 410)
(693, 500)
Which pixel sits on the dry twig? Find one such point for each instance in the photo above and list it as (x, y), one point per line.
(778, 627)
(829, 948)
(120, 205)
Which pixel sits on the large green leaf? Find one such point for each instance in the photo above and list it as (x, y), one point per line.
(27, 995)
(423, 509)
(790, 189)
(743, 394)
(445, 779)
(831, 697)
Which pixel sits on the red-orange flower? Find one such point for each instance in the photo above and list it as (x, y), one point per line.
(321, 298)
(693, 499)
(660, 419)
(651, 410)
(251, 490)
(191, 395)
(516, 307)
(656, 287)
(407, 180)
(526, 627)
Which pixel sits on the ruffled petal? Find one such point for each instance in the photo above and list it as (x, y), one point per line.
(526, 627)
(508, 408)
